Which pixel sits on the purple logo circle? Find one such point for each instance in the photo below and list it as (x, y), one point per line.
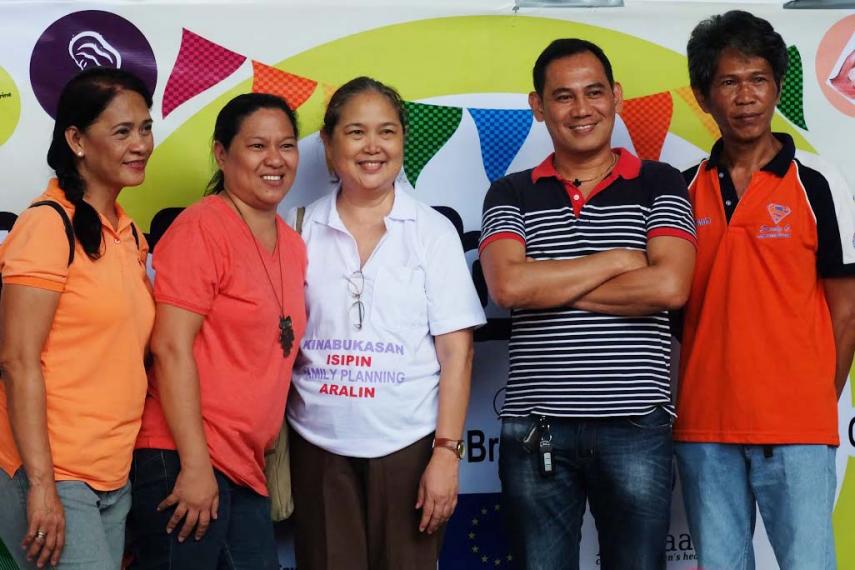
(80, 40)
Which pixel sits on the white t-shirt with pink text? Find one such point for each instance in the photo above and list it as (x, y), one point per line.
(371, 391)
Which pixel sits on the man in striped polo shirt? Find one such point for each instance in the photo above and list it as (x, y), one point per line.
(769, 327)
(589, 250)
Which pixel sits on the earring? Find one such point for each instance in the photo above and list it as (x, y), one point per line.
(80, 153)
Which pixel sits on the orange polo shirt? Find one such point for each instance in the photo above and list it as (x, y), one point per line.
(758, 358)
(92, 359)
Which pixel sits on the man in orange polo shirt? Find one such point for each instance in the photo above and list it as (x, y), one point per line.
(769, 330)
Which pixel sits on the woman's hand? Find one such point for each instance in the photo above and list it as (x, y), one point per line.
(45, 536)
(198, 498)
(438, 490)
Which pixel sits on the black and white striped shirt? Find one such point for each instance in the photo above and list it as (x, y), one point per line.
(574, 363)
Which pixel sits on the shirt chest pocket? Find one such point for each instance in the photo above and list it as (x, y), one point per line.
(399, 299)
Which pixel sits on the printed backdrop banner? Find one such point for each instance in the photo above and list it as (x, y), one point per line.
(444, 58)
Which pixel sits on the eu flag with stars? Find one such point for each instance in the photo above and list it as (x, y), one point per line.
(475, 537)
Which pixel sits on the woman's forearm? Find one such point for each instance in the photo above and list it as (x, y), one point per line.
(455, 353)
(26, 400)
(178, 385)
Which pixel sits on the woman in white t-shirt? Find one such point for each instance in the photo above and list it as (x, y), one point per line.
(379, 393)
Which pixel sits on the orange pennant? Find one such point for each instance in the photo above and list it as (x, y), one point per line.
(647, 119)
(706, 120)
(293, 88)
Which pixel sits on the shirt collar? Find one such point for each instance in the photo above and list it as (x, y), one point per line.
(628, 166)
(403, 208)
(779, 165)
(57, 194)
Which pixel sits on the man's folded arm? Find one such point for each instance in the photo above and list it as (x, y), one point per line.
(520, 283)
(664, 284)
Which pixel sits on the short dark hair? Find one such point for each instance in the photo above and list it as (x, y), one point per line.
(81, 102)
(231, 117)
(739, 30)
(565, 47)
(354, 87)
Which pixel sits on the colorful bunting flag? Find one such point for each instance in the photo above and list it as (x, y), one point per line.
(430, 127)
(687, 95)
(201, 64)
(791, 104)
(293, 88)
(502, 132)
(647, 119)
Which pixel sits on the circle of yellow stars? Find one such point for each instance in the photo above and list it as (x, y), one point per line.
(486, 560)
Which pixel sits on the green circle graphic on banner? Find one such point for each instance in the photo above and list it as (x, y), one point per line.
(10, 106)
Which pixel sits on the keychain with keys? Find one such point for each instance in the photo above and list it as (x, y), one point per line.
(545, 463)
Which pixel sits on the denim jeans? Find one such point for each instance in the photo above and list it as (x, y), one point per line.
(724, 484)
(241, 538)
(622, 466)
(94, 523)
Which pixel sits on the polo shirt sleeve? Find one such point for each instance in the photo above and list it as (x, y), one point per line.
(188, 264)
(670, 211)
(35, 253)
(502, 216)
(833, 207)
(453, 303)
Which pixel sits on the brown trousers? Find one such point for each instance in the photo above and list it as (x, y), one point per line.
(359, 514)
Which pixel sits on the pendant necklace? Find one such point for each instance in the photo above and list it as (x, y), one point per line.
(286, 326)
(579, 181)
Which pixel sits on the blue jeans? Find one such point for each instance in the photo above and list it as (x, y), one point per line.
(724, 484)
(94, 523)
(241, 538)
(622, 466)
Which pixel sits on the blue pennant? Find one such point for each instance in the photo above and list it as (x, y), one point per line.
(502, 132)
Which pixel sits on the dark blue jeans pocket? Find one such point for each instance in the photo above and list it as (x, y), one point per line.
(658, 419)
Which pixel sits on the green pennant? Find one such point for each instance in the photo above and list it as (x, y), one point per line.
(792, 104)
(430, 127)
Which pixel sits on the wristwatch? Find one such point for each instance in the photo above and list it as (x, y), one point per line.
(454, 445)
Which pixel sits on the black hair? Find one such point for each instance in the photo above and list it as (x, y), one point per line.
(354, 87)
(231, 117)
(81, 102)
(746, 33)
(565, 47)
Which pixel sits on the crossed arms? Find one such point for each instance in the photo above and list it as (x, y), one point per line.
(616, 282)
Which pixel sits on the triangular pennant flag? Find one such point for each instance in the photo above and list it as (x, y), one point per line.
(502, 132)
(200, 65)
(647, 119)
(687, 95)
(430, 127)
(791, 104)
(293, 88)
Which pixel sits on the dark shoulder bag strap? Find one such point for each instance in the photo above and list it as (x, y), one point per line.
(69, 230)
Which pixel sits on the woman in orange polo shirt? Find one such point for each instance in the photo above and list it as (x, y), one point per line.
(230, 315)
(77, 314)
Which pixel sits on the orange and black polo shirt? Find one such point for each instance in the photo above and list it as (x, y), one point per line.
(758, 358)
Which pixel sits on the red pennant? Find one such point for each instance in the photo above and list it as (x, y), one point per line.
(293, 88)
(200, 65)
(647, 119)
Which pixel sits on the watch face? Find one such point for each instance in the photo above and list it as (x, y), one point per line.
(460, 449)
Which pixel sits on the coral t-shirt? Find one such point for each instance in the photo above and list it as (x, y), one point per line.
(207, 263)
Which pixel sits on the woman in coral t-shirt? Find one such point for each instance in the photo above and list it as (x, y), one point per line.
(230, 316)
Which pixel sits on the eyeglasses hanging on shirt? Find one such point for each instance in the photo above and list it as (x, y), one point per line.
(355, 287)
